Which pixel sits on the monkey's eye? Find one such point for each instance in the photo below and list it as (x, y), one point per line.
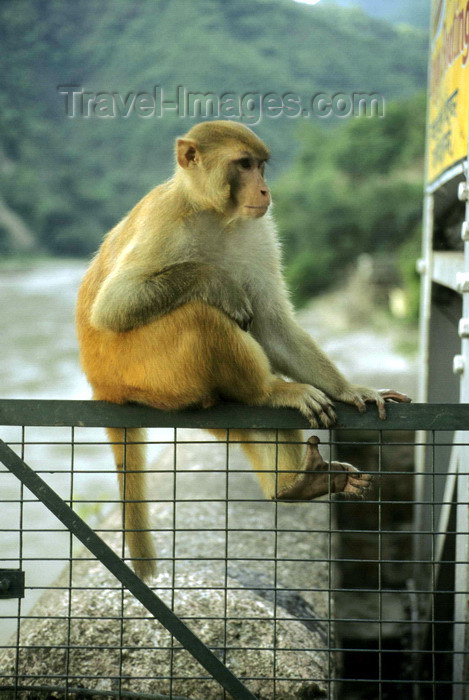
(245, 163)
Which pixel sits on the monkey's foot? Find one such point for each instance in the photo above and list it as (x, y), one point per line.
(319, 477)
(314, 405)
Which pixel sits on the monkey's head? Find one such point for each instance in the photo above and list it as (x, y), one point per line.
(222, 163)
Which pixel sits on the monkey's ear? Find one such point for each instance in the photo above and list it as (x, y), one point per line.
(186, 152)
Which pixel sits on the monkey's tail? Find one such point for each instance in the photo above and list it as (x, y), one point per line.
(129, 454)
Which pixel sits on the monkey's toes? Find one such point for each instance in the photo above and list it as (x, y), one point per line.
(357, 483)
(330, 414)
(320, 414)
(312, 481)
(326, 420)
(318, 478)
(313, 459)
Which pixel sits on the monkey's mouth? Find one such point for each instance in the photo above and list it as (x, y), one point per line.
(256, 211)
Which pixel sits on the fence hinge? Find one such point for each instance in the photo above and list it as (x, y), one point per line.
(11, 583)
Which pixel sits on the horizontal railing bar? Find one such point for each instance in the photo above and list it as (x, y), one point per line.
(317, 649)
(58, 471)
(310, 589)
(264, 559)
(330, 499)
(197, 441)
(281, 530)
(222, 618)
(289, 679)
(94, 414)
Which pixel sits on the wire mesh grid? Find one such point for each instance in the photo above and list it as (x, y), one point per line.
(333, 598)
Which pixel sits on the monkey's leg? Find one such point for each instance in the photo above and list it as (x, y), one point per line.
(287, 471)
(130, 463)
(276, 465)
(196, 355)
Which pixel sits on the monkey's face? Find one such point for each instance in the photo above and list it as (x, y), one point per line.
(226, 175)
(249, 194)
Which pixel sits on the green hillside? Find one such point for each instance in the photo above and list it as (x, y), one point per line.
(64, 181)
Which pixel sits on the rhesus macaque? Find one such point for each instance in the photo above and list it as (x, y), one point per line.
(185, 305)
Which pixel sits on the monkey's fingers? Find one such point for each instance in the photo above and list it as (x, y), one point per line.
(360, 404)
(243, 318)
(361, 401)
(380, 405)
(394, 396)
(248, 324)
(386, 395)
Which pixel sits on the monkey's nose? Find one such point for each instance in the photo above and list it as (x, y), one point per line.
(265, 192)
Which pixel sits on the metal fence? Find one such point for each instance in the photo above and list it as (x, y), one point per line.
(333, 598)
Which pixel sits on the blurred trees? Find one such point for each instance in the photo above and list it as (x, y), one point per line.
(353, 190)
(415, 12)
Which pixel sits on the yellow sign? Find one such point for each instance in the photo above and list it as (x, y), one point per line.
(448, 116)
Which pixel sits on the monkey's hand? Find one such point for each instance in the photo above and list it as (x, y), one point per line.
(234, 302)
(359, 396)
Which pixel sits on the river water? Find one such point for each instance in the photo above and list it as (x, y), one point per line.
(38, 343)
(39, 359)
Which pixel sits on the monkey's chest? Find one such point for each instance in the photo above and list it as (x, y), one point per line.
(245, 261)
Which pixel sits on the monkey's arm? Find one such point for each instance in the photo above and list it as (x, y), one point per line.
(131, 298)
(295, 354)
